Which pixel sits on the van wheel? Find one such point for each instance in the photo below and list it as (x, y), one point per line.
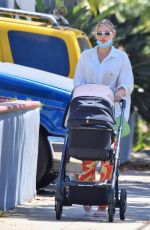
(44, 165)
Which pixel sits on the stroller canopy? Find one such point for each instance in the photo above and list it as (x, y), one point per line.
(92, 104)
(94, 90)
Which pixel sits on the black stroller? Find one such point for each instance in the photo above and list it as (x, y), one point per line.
(90, 136)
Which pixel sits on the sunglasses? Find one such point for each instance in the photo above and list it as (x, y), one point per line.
(107, 33)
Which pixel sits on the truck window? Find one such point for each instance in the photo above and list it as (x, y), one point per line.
(39, 51)
(83, 44)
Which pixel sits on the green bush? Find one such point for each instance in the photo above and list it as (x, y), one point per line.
(141, 134)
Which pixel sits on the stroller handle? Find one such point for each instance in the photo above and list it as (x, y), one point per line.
(123, 103)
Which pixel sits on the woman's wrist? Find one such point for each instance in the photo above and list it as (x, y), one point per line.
(122, 91)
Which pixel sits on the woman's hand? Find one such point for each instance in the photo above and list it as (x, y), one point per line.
(120, 94)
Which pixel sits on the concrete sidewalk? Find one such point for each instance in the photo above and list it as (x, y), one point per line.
(39, 213)
(138, 161)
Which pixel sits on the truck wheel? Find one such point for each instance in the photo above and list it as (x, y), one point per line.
(44, 165)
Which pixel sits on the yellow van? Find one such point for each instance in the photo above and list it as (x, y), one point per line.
(43, 44)
(41, 41)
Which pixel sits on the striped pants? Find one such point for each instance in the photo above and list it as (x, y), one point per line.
(89, 168)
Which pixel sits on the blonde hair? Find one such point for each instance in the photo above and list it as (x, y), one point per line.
(105, 22)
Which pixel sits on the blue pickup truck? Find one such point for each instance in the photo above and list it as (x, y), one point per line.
(54, 92)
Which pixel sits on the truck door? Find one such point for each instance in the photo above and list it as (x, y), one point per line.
(1, 55)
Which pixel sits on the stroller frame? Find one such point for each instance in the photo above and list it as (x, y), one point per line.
(70, 192)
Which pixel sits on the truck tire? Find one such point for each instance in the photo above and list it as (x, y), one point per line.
(45, 160)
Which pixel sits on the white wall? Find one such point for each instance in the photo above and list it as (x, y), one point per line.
(28, 5)
(18, 156)
(10, 3)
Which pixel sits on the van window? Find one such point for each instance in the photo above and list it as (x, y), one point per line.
(83, 44)
(39, 51)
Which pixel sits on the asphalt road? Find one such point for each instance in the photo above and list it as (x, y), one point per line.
(39, 213)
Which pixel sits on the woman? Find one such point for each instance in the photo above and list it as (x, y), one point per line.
(105, 65)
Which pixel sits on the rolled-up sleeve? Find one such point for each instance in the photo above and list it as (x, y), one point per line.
(79, 77)
(125, 78)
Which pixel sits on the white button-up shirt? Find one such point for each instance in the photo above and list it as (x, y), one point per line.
(114, 71)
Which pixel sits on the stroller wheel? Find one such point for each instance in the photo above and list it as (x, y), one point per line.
(111, 211)
(123, 203)
(58, 208)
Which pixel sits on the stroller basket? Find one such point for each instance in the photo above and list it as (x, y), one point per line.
(80, 194)
(89, 143)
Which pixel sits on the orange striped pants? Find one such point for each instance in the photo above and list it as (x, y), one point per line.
(89, 168)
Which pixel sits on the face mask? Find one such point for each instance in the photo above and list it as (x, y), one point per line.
(104, 45)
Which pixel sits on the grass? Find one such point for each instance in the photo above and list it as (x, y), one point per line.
(2, 213)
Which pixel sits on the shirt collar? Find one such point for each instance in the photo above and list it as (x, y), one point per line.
(113, 52)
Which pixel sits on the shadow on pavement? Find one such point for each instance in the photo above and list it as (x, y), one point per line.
(136, 182)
